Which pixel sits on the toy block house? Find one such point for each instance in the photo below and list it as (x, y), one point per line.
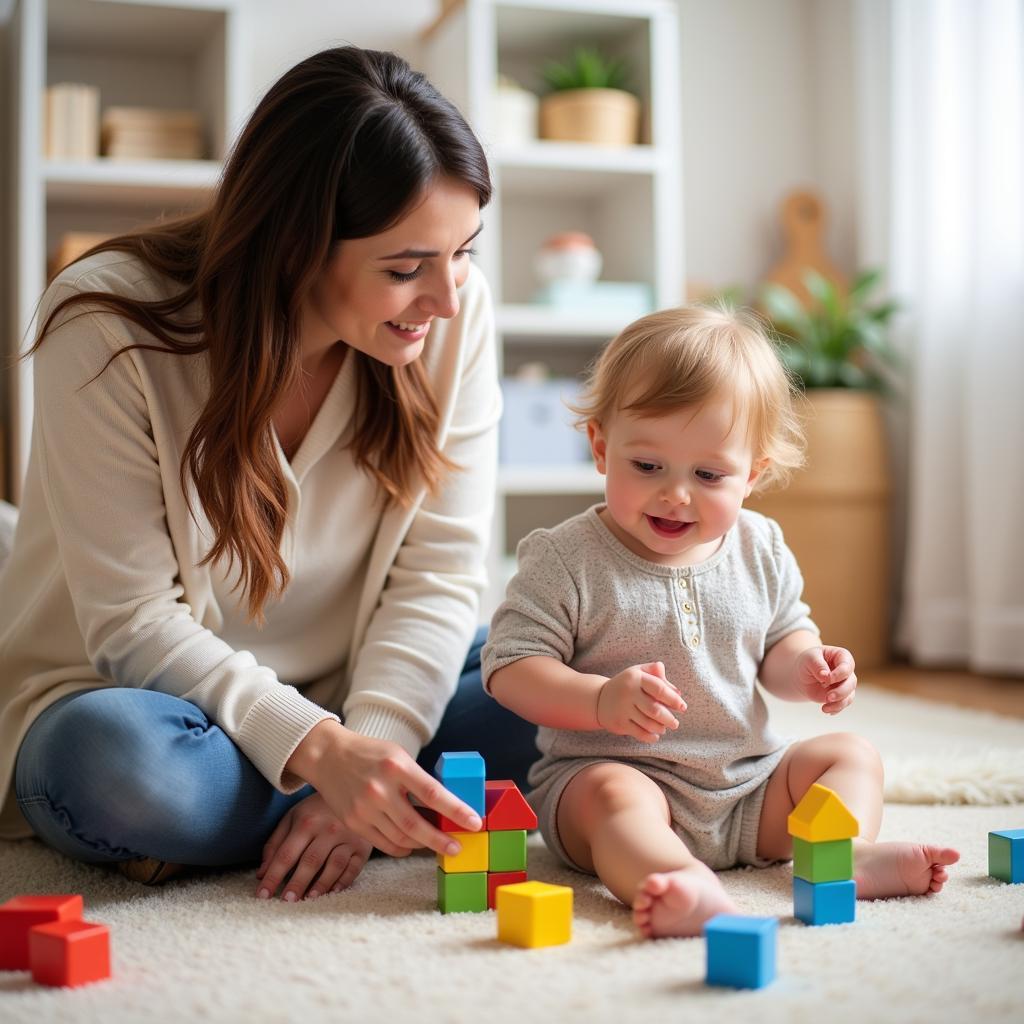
(823, 828)
(494, 856)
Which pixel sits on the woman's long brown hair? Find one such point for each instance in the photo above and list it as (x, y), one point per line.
(339, 148)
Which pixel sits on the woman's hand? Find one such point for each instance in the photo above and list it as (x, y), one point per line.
(312, 845)
(368, 783)
(826, 676)
(639, 702)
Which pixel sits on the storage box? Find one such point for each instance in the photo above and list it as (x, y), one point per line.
(629, 299)
(536, 426)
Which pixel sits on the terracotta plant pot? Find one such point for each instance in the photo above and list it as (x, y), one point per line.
(835, 517)
(607, 117)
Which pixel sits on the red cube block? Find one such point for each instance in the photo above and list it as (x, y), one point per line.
(496, 878)
(69, 953)
(20, 914)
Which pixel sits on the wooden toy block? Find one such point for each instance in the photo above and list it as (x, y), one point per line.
(471, 858)
(741, 950)
(1006, 855)
(439, 821)
(464, 892)
(463, 772)
(823, 862)
(534, 914)
(496, 878)
(507, 850)
(821, 817)
(69, 953)
(507, 807)
(825, 902)
(20, 914)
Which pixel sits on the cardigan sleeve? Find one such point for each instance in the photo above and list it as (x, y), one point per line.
(416, 643)
(103, 483)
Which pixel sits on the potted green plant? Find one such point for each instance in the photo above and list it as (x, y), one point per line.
(835, 512)
(588, 101)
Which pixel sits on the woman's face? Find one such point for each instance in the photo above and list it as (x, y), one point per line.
(381, 294)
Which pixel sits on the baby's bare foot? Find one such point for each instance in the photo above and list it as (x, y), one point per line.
(679, 902)
(900, 869)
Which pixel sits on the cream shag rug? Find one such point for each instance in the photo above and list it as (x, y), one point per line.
(205, 949)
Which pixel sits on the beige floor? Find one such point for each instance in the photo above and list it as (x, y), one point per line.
(1003, 695)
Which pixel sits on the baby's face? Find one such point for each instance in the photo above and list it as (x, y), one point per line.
(675, 482)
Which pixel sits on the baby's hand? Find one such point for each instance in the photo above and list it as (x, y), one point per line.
(826, 675)
(639, 702)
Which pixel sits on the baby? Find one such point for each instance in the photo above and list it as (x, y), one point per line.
(634, 633)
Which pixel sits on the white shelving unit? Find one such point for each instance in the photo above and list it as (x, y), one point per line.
(629, 199)
(161, 53)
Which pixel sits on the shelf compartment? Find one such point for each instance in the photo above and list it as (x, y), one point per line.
(578, 478)
(120, 182)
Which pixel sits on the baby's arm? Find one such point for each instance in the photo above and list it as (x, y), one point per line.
(637, 702)
(799, 667)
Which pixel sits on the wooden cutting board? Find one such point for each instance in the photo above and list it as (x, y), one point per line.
(803, 229)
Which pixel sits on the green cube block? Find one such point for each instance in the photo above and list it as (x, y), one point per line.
(507, 850)
(1006, 855)
(464, 891)
(831, 861)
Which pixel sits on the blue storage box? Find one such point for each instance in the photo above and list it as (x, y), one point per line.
(626, 299)
(536, 426)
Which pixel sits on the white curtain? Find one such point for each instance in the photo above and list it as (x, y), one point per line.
(954, 246)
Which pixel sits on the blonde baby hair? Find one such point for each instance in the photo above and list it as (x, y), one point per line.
(682, 357)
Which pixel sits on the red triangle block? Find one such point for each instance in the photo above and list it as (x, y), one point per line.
(507, 807)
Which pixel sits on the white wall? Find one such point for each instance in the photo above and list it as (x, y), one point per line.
(767, 107)
(281, 34)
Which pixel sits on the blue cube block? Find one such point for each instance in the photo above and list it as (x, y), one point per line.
(464, 773)
(825, 902)
(741, 950)
(1006, 854)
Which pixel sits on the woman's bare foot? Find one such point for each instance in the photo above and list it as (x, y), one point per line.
(679, 902)
(900, 869)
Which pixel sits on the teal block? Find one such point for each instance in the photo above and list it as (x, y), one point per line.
(741, 950)
(825, 902)
(463, 773)
(1006, 855)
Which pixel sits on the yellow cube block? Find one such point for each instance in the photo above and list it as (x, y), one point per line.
(532, 914)
(474, 855)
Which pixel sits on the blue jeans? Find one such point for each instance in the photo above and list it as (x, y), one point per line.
(112, 774)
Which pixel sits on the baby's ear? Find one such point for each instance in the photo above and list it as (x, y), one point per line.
(759, 466)
(598, 445)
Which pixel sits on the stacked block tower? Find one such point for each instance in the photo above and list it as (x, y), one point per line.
(823, 828)
(496, 855)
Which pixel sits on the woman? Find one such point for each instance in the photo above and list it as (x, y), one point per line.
(258, 501)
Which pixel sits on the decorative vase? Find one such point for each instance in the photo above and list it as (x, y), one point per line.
(606, 117)
(515, 113)
(568, 256)
(835, 518)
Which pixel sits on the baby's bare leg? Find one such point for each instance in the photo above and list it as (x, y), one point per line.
(850, 766)
(614, 820)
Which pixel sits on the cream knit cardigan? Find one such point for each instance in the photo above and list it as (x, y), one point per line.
(104, 587)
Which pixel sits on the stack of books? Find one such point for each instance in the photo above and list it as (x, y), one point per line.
(72, 129)
(146, 133)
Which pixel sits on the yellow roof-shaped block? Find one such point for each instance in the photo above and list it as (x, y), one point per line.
(822, 817)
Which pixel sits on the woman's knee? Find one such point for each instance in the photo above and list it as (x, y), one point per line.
(104, 757)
